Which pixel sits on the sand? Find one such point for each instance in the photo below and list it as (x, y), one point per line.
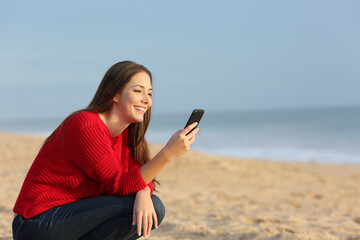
(215, 197)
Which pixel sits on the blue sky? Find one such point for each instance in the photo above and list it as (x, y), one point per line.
(217, 55)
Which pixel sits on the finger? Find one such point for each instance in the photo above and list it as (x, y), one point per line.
(191, 141)
(189, 128)
(145, 226)
(139, 223)
(150, 223)
(192, 134)
(191, 137)
(155, 219)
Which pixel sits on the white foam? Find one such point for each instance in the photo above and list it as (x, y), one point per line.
(287, 154)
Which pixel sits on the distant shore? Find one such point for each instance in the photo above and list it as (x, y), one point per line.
(213, 197)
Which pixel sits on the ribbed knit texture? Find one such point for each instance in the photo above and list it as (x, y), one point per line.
(81, 160)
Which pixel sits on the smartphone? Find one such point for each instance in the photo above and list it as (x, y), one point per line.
(195, 116)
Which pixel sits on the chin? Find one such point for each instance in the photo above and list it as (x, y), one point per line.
(138, 120)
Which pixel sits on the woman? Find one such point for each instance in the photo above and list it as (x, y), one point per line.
(93, 178)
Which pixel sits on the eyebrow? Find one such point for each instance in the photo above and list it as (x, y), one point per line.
(142, 86)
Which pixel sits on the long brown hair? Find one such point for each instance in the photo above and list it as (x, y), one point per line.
(113, 83)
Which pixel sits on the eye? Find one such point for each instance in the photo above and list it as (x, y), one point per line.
(136, 90)
(150, 94)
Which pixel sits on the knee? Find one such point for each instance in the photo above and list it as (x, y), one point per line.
(159, 208)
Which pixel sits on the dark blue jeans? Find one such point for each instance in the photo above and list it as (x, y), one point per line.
(99, 218)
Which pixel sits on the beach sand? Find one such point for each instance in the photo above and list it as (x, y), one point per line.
(214, 197)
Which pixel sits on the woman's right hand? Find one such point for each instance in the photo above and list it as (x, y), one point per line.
(179, 143)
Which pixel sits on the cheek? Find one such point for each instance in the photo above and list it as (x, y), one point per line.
(127, 99)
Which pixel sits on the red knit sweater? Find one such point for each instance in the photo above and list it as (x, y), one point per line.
(81, 160)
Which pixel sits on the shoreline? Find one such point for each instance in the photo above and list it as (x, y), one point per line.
(213, 153)
(215, 197)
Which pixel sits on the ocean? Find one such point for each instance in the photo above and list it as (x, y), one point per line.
(306, 135)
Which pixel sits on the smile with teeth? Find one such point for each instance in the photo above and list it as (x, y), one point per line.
(140, 109)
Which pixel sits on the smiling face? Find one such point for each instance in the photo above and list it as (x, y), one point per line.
(135, 99)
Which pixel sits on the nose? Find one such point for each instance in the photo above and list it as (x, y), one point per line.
(146, 98)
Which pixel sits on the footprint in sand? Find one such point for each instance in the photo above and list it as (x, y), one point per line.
(264, 221)
(307, 195)
(357, 220)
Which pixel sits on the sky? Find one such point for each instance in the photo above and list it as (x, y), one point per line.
(216, 55)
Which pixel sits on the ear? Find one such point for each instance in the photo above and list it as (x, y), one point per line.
(116, 98)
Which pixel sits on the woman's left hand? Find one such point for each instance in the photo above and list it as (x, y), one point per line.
(144, 214)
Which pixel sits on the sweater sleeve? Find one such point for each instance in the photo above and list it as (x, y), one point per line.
(90, 149)
(134, 165)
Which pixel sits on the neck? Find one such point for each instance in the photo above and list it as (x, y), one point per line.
(113, 123)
